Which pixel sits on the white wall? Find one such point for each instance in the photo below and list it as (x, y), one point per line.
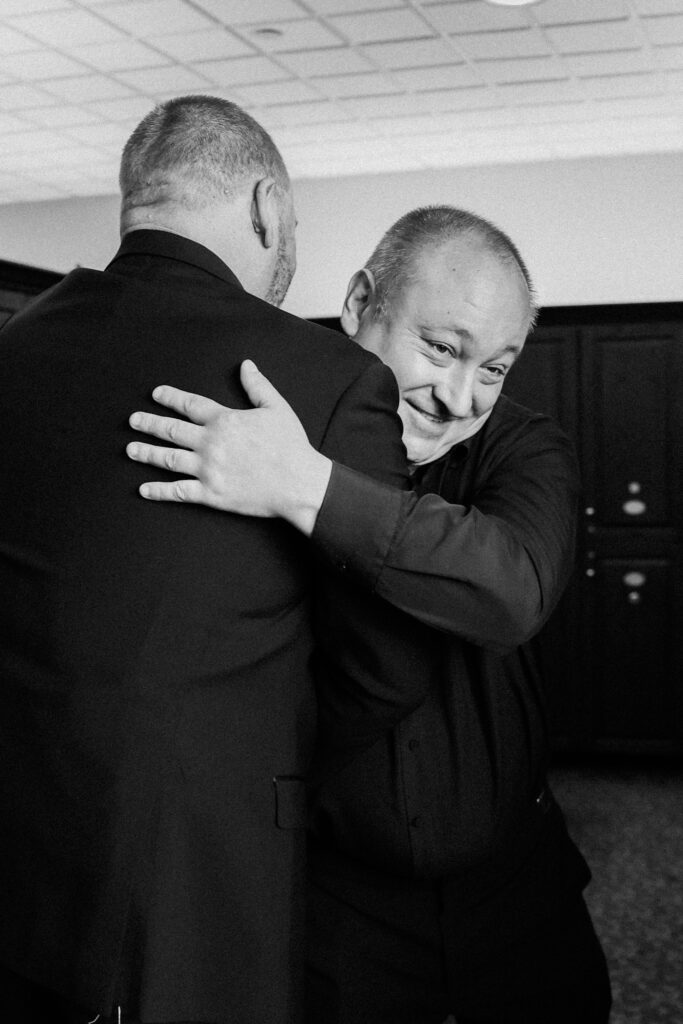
(598, 230)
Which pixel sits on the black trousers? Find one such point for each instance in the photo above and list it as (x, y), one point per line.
(518, 949)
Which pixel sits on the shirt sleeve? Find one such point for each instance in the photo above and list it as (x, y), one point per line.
(375, 662)
(489, 571)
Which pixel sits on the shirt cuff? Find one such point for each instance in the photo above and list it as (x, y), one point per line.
(356, 524)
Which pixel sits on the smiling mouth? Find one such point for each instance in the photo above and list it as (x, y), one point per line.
(431, 417)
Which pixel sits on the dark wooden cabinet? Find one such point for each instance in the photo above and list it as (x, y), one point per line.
(19, 283)
(612, 653)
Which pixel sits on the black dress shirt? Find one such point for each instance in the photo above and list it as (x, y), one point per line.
(455, 783)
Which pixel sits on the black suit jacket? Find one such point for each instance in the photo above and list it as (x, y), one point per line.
(156, 698)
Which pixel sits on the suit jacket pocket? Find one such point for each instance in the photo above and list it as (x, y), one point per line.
(290, 801)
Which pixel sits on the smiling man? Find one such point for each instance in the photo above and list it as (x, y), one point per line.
(442, 876)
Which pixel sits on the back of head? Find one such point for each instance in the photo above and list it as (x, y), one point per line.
(429, 227)
(193, 151)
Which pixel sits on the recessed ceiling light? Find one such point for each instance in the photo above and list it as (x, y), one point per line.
(513, 3)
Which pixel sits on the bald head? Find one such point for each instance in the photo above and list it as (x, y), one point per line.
(395, 260)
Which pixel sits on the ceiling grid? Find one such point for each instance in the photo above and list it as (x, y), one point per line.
(345, 86)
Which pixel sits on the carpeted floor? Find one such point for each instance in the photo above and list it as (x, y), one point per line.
(627, 818)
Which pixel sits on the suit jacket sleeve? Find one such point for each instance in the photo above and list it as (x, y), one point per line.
(374, 662)
(490, 571)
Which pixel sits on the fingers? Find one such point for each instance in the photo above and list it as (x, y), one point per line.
(166, 428)
(195, 407)
(175, 460)
(179, 490)
(258, 388)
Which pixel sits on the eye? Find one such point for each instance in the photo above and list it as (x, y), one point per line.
(496, 373)
(439, 347)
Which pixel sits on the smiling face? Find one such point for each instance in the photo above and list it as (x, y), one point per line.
(450, 336)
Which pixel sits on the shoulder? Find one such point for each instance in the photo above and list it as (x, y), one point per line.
(512, 426)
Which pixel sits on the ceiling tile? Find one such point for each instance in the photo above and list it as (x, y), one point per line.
(668, 56)
(623, 85)
(542, 92)
(86, 88)
(155, 80)
(528, 42)
(376, 26)
(658, 6)
(62, 117)
(12, 41)
(107, 135)
(413, 53)
(195, 46)
(319, 112)
(674, 80)
(293, 91)
(241, 70)
(635, 106)
(11, 124)
(30, 142)
(374, 84)
(66, 29)
(473, 16)
(665, 30)
(564, 12)
(132, 109)
(613, 63)
(156, 17)
(120, 56)
(304, 134)
(450, 76)
(602, 35)
(10, 7)
(303, 34)
(242, 12)
(19, 97)
(350, 6)
(531, 69)
(419, 102)
(40, 64)
(340, 61)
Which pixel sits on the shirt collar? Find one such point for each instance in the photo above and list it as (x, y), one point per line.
(150, 242)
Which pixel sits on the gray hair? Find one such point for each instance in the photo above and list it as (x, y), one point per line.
(193, 150)
(393, 260)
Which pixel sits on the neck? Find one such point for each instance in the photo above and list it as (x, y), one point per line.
(216, 229)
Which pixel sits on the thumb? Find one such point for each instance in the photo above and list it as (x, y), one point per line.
(260, 391)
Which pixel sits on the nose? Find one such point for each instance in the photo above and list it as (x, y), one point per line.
(455, 391)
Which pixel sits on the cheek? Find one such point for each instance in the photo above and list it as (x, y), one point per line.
(485, 396)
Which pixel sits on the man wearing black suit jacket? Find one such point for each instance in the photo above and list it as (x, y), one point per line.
(156, 710)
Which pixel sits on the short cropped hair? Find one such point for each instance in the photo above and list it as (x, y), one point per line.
(393, 260)
(193, 150)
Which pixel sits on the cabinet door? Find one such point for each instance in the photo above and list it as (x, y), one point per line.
(631, 629)
(630, 411)
(545, 377)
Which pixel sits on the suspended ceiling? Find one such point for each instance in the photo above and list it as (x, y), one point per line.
(345, 86)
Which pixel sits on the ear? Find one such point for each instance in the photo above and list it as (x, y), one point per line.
(360, 298)
(265, 215)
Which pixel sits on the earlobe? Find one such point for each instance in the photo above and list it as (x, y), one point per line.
(358, 301)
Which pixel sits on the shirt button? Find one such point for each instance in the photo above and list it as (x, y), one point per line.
(415, 822)
(413, 744)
